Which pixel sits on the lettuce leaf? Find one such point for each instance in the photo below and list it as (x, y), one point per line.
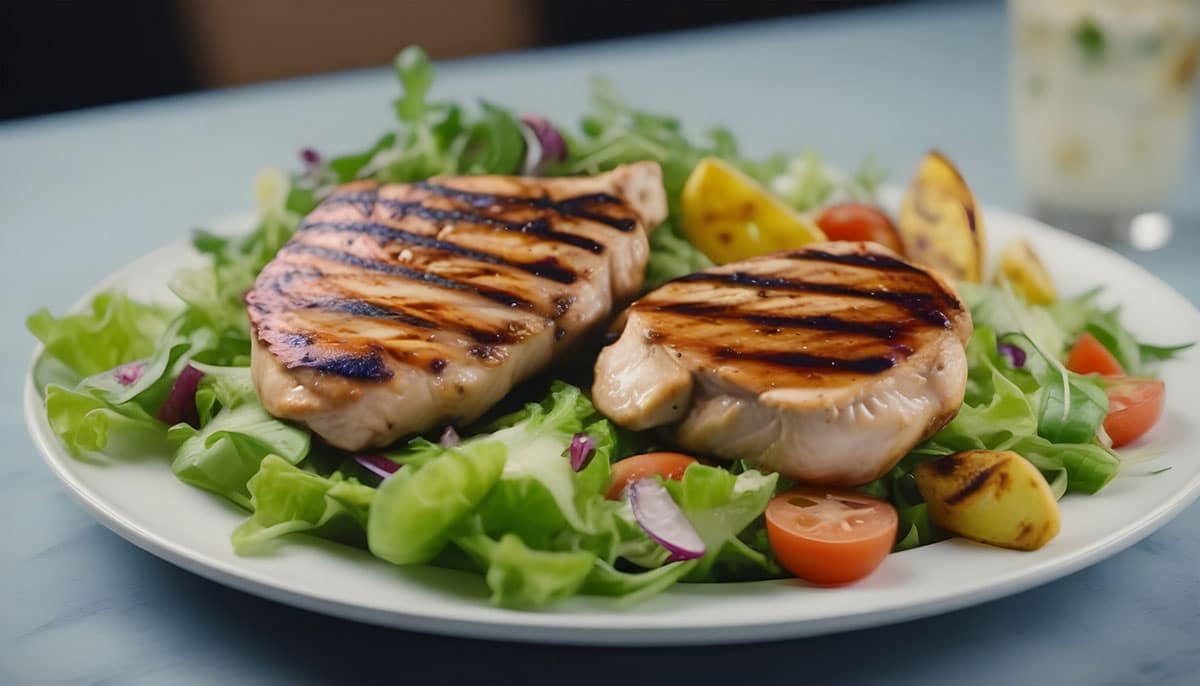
(222, 387)
(541, 531)
(112, 330)
(89, 426)
(1087, 467)
(416, 509)
(538, 469)
(523, 577)
(113, 411)
(286, 499)
(520, 576)
(720, 505)
(633, 587)
(231, 443)
(1071, 407)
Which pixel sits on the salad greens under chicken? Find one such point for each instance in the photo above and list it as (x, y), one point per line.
(525, 496)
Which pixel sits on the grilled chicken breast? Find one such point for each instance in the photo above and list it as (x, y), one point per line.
(400, 308)
(826, 364)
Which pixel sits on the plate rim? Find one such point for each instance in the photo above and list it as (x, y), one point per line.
(522, 626)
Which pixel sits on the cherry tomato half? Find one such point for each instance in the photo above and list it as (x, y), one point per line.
(1134, 406)
(1089, 356)
(666, 465)
(857, 222)
(830, 536)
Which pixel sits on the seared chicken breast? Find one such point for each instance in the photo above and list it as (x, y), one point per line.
(400, 308)
(826, 364)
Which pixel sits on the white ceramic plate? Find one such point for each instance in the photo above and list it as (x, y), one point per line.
(144, 503)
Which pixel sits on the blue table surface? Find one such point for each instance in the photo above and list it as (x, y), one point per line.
(84, 193)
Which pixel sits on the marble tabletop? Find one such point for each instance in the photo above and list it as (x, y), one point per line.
(83, 193)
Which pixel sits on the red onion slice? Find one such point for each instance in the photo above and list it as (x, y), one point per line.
(180, 405)
(662, 520)
(449, 438)
(543, 143)
(582, 450)
(1014, 354)
(378, 465)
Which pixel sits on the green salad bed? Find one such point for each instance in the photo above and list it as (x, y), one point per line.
(520, 496)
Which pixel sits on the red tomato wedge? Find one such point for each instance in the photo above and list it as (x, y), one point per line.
(666, 465)
(1089, 356)
(1134, 407)
(856, 222)
(830, 536)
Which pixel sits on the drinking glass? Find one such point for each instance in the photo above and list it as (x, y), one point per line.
(1102, 96)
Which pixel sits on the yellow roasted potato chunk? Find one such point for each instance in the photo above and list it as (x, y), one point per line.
(1021, 268)
(730, 216)
(939, 222)
(991, 496)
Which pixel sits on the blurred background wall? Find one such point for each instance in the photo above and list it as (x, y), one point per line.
(59, 55)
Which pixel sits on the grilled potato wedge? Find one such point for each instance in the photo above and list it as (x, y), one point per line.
(1021, 268)
(991, 496)
(939, 222)
(730, 216)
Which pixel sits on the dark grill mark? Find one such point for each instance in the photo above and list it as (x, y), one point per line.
(537, 227)
(296, 340)
(972, 486)
(1025, 531)
(862, 365)
(548, 268)
(869, 260)
(369, 366)
(572, 207)
(924, 306)
(968, 207)
(882, 330)
(492, 294)
(435, 320)
(363, 201)
(362, 308)
(946, 465)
